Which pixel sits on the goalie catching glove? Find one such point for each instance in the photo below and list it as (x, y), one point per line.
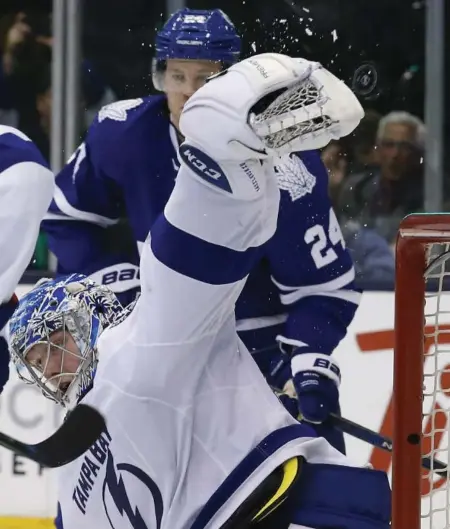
(269, 105)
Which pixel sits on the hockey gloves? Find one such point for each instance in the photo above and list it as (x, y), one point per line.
(313, 379)
(316, 380)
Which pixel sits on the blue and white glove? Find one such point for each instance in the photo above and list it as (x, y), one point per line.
(316, 379)
(6, 311)
(313, 379)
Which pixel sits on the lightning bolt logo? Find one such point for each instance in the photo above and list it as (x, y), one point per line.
(114, 484)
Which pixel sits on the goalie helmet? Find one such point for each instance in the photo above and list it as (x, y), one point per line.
(195, 34)
(73, 304)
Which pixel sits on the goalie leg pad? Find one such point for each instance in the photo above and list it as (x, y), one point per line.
(265, 506)
(313, 495)
(330, 496)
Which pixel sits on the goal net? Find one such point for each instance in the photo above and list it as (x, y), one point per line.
(421, 497)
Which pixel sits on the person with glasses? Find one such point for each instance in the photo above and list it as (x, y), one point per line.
(381, 195)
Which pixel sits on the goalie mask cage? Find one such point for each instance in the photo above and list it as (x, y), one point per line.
(421, 498)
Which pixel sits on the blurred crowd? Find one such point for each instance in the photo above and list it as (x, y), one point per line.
(375, 179)
(376, 176)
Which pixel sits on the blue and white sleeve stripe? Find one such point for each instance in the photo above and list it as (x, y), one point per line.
(340, 288)
(198, 259)
(199, 253)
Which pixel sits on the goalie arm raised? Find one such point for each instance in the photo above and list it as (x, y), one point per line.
(202, 248)
(225, 203)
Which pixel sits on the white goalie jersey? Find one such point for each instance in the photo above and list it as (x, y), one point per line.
(183, 399)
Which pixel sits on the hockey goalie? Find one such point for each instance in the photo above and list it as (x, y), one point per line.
(195, 437)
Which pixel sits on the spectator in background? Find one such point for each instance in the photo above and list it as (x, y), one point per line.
(25, 44)
(379, 197)
(25, 75)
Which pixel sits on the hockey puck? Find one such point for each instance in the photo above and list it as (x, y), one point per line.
(365, 80)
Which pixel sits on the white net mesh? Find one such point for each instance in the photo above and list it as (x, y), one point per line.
(300, 95)
(435, 508)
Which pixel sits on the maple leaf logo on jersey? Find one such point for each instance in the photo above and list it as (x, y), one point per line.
(294, 177)
(118, 111)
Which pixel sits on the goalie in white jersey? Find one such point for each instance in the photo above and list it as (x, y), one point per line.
(195, 438)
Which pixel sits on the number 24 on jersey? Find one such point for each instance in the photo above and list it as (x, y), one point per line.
(323, 243)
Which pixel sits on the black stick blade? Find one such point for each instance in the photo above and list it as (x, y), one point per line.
(78, 432)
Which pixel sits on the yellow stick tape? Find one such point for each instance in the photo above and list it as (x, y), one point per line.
(26, 523)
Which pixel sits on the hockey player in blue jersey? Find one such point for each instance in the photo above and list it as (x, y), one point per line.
(26, 189)
(300, 293)
(195, 438)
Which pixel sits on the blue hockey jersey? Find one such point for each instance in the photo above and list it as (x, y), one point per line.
(302, 290)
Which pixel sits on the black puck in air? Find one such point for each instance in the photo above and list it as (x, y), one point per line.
(365, 80)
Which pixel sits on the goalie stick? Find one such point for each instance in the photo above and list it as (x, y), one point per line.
(375, 439)
(78, 432)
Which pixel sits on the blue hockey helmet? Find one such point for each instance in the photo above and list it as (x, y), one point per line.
(196, 34)
(73, 304)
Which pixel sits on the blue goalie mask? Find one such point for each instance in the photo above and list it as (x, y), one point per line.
(54, 332)
(195, 34)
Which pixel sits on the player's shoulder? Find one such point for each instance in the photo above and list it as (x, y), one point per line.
(128, 130)
(126, 119)
(16, 148)
(301, 174)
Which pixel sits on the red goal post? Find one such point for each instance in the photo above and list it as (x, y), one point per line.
(421, 390)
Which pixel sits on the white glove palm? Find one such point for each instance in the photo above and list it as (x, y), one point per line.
(267, 106)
